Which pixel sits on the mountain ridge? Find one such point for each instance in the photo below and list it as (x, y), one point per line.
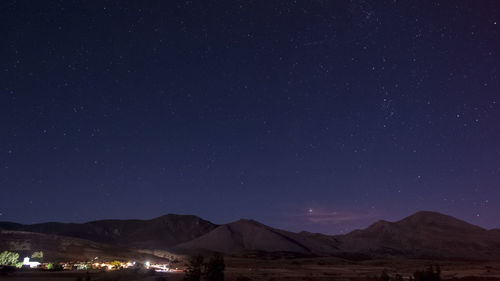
(163, 231)
(422, 234)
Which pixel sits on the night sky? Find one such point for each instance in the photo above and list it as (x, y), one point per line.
(304, 115)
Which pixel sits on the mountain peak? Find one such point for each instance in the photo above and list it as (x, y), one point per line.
(430, 218)
(434, 214)
(423, 234)
(248, 221)
(176, 216)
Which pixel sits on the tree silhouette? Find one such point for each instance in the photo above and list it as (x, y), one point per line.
(9, 258)
(215, 268)
(193, 272)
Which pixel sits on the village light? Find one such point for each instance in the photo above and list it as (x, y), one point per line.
(31, 264)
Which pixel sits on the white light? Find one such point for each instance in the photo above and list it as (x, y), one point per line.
(31, 264)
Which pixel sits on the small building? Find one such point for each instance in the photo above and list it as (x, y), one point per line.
(31, 264)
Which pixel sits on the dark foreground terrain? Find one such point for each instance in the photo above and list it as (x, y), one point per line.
(119, 275)
(311, 269)
(337, 269)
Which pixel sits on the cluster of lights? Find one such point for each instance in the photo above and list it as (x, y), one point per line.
(108, 266)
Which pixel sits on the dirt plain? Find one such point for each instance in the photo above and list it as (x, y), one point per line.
(310, 269)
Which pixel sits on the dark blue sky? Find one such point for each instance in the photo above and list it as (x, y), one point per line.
(315, 115)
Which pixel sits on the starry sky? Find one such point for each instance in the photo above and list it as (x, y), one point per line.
(305, 115)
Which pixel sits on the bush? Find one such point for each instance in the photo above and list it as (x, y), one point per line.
(384, 276)
(432, 273)
(37, 255)
(54, 267)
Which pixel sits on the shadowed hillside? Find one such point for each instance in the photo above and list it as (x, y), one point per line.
(249, 235)
(424, 234)
(159, 233)
(61, 248)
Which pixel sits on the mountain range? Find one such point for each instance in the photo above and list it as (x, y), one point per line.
(422, 235)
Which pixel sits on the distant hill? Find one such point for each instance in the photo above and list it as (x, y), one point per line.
(159, 233)
(61, 248)
(249, 235)
(424, 234)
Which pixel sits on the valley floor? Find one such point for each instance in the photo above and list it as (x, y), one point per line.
(316, 269)
(94, 275)
(310, 269)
